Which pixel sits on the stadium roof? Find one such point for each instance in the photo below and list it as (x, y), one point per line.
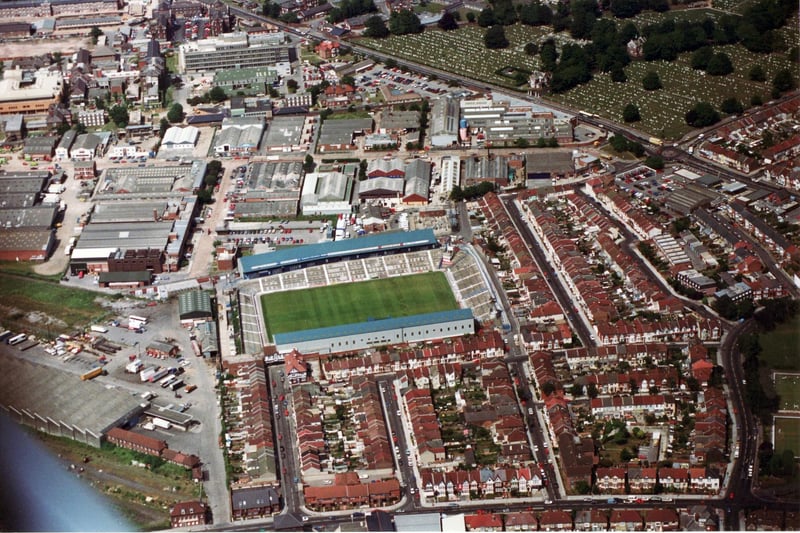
(335, 249)
(344, 330)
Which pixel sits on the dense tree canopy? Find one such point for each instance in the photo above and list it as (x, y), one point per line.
(701, 115)
(175, 113)
(375, 27)
(731, 106)
(448, 22)
(404, 22)
(351, 8)
(631, 113)
(719, 65)
(495, 37)
(651, 81)
(119, 114)
(783, 80)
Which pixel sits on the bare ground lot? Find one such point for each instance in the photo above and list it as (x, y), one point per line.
(37, 47)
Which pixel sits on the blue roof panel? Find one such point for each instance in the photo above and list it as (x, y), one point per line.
(336, 249)
(372, 326)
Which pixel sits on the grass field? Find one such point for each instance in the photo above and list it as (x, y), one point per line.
(780, 349)
(69, 307)
(787, 434)
(788, 388)
(349, 303)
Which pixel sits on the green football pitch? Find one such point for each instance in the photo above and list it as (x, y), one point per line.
(788, 389)
(787, 434)
(350, 303)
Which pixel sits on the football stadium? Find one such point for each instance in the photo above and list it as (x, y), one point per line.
(405, 298)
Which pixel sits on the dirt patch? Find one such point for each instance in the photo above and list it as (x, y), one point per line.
(37, 47)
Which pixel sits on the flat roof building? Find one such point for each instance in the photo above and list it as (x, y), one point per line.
(285, 134)
(21, 95)
(251, 81)
(85, 410)
(236, 50)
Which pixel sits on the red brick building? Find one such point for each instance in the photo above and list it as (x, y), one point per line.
(187, 514)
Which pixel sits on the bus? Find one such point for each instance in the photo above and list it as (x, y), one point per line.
(16, 339)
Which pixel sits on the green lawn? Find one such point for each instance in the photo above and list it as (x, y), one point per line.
(788, 388)
(780, 349)
(349, 303)
(787, 435)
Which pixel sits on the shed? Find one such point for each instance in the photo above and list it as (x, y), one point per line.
(195, 305)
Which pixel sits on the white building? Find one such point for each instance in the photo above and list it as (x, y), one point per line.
(178, 138)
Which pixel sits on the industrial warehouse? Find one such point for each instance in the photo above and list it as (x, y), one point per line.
(84, 411)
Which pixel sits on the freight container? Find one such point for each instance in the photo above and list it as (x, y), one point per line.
(91, 374)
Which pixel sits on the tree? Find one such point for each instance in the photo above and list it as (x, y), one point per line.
(701, 115)
(163, 126)
(631, 113)
(471, 17)
(448, 22)
(618, 75)
(291, 85)
(701, 57)
(576, 390)
(731, 106)
(719, 65)
(548, 388)
(783, 81)
(404, 22)
(651, 81)
(217, 94)
(95, 34)
(486, 18)
(655, 162)
(531, 49)
(375, 27)
(308, 164)
(548, 55)
(79, 127)
(495, 37)
(756, 100)
(757, 73)
(175, 113)
(119, 114)
(624, 9)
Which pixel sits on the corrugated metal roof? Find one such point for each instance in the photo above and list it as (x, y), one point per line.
(336, 249)
(284, 339)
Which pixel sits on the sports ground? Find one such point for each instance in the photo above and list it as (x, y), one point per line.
(788, 388)
(350, 303)
(786, 434)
